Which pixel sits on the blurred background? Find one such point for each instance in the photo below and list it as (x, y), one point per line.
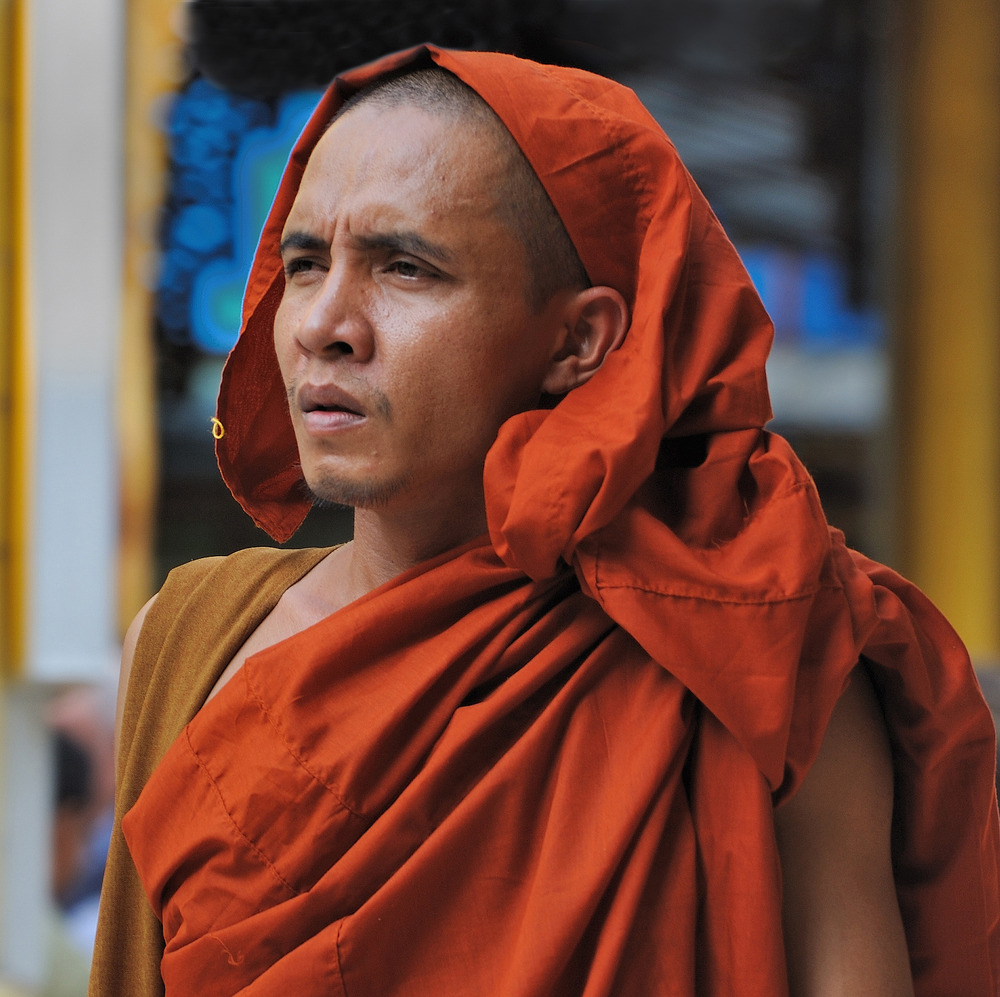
(850, 147)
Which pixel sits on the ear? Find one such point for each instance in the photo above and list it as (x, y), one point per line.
(595, 321)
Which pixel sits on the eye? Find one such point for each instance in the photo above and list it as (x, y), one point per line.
(407, 269)
(298, 265)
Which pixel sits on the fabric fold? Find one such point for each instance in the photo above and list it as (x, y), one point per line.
(591, 813)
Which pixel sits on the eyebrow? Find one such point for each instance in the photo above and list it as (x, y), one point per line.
(407, 242)
(301, 241)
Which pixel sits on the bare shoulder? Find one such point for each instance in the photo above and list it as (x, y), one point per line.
(128, 654)
(843, 930)
(850, 783)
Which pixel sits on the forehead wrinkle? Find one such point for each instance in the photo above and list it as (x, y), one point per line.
(401, 241)
(388, 196)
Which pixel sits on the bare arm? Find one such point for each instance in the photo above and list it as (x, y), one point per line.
(843, 931)
(128, 652)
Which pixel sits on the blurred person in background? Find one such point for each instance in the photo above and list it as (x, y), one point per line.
(85, 714)
(68, 959)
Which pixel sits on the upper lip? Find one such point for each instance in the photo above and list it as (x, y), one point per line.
(327, 397)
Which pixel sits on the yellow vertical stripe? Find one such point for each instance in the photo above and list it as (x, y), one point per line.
(6, 291)
(15, 362)
(949, 318)
(153, 71)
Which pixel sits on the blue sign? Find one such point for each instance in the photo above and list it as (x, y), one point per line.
(228, 154)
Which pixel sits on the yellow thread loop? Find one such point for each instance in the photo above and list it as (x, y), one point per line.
(218, 430)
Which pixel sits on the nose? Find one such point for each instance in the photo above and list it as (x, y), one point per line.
(334, 322)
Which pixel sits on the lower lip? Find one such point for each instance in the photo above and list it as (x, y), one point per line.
(327, 422)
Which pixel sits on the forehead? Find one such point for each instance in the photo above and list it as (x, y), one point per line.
(410, 159)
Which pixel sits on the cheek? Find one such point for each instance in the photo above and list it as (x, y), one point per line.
(280, 331)
(284, 342)
(451, 405)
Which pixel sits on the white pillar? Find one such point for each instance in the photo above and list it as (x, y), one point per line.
(67, 154)
(73, 289)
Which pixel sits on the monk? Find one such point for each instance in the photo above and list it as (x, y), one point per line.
(594, 702)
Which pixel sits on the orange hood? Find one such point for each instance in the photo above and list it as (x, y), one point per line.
(692, 363)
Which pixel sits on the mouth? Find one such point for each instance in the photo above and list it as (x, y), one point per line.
(327, 407)
(327, 398)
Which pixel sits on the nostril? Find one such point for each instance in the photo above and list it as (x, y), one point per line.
(343, 348)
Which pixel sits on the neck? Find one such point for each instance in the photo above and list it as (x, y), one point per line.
(385, 546)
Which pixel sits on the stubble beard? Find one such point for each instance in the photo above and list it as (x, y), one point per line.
(333, 491)
(329, 490)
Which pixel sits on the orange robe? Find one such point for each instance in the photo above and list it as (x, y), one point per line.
(546, 763)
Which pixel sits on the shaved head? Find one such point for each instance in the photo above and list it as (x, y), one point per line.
(521, 199)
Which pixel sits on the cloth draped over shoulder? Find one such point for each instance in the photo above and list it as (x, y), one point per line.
(681, 550)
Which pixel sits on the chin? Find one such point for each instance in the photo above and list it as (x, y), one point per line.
(369, 493)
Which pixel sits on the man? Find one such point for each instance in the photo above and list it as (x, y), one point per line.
(593, 703)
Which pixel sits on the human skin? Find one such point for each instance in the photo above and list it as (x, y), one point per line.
(405, 308)
(406, 337)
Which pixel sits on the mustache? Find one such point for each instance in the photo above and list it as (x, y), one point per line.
(371, 398)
